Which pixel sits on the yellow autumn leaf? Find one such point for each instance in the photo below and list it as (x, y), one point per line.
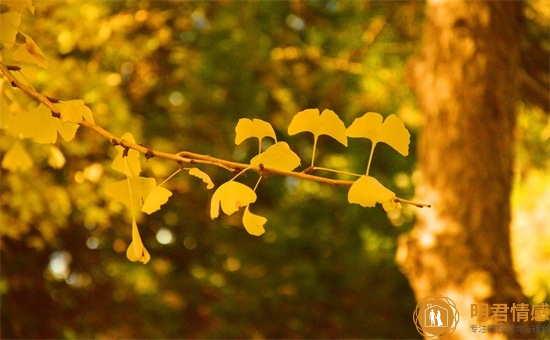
(30, 53)
(136, 251)
(133, 167)
(138, 187)
(9, 27)
(157, 197)
(327, 123)
(232, 196)
(202, 175)
(75, 111)
(367, 191)
(17, 158)
(254, 224)
(257, 128)
(392, 131)
(39, 125)
(278, 156)
(18, 5)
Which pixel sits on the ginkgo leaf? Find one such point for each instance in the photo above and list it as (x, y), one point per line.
(30, 53)
(136, 250)
(257, 128)
(202, 175)
(39, 125)
(392, 132)
(18, 5)
(232, 196)
(277, 156)
(140, 188)
(9, 26)
(157, 197)
(254, 224)
(128, 165)
(327, 123)
(75, 111)
(367, 191)
(17, 158)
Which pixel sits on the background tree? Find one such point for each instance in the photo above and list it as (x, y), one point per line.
(468, 78)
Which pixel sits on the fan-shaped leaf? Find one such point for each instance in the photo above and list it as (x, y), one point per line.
(277, 156)
(157, 197)
(140, 188)
(367, 191)
(17, 158)
(257, 128)
(327, 123)
(202, 175)
(254, 224)
(30, 53)
(74, 111)
(133, 167)
(136, 251)
(392, 132)
(232, 196)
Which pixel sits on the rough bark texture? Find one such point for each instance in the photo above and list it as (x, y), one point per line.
(466, 79)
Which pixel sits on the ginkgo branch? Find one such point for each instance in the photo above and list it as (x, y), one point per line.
(180, 157)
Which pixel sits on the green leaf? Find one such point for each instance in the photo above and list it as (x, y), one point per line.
(17, 158)
(232, 196)
(157, 197)
(202, 175)
(140, 188)
(367, 191)
(278, 156)
(128, 165)
(257, 128)
(136, 251)
(254, 224)
(75, 111)
(392, 132)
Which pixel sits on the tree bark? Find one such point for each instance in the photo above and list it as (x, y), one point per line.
(466, 79)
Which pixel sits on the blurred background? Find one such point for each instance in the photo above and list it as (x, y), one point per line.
(179, 76)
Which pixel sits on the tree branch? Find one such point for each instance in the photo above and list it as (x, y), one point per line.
(180, 157)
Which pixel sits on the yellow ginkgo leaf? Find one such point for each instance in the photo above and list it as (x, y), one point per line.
(254, 224)
(392, 132)
(9, 26)
(75, 111)
(277, 156)
(128, 165)
(136, 251)
(17, 159)
(257, 128)
(327, 123)
(202, 175)
(367, 191)
(138, 187)
(232, 196)
(30, 53)
(157, 197)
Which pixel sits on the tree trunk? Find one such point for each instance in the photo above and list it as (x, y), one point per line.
(466, 79)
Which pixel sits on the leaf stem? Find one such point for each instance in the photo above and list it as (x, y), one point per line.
(370, 157)
(314, 147)
(172, 175)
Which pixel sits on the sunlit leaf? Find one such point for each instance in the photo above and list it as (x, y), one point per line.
(277, 156)
(367, 191)
(327, 123)
(141, 187)
(392, 132)
(17, 158)
(202, 175)
(56, 159)
(232, 196)
(30, 53)
(9, 26)
(254, 224)
(136, 251)
(257, 128)
(37, 124)
(157, 197)
(75, 111)
(18, 5)
(132, 167)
